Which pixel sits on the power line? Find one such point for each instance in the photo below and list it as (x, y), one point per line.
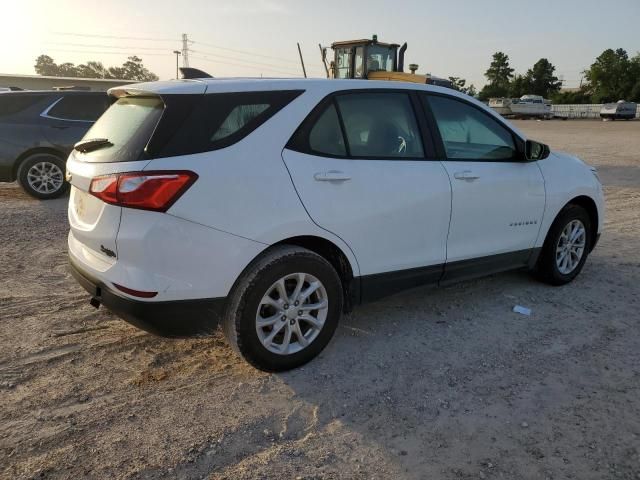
(116, 37)
(108, 53)
(259, 64)
(97, 45)
(245, 52)
(245, 66)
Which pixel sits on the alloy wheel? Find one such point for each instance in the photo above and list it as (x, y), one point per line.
(45, 177)
(292, 313)
(570, 247)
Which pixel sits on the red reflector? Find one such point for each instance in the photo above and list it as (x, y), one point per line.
(144, 190)
(135, 293)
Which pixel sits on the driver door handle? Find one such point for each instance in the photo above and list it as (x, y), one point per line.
(331, 176)
(466, 175)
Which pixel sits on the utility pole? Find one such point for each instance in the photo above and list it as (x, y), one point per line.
(304, 71)
(177, 52)
(185, 50)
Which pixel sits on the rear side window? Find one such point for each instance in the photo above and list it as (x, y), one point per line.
(12, 104)
(85, 108)
(215, 120)
(127, 125)
(470, 134)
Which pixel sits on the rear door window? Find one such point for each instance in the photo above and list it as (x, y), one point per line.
(85, 108)
(325, 137)
(380, 125)
(11, 104)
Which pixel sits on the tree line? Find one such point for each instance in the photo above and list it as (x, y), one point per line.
(613, 76)
(132, 69)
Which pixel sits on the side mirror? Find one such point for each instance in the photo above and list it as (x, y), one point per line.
(536, 150)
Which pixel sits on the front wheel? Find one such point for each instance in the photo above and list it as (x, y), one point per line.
(566, 247)
(284, 309)
(42, 176)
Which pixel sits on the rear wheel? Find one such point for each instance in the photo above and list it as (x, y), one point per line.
(42, 176)
(284, 309)
(566, 247)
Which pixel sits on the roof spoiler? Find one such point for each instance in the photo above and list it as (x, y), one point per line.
(189, 73)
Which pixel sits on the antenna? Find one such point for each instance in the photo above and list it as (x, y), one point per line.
(185, 50)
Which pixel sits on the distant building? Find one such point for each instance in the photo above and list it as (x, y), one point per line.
(39, 82)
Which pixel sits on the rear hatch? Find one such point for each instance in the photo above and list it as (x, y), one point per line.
(116, 143)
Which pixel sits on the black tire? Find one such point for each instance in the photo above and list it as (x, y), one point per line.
(239, 324)
(46, 158)
(547, 269)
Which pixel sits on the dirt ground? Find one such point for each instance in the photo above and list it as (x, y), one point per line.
(429, 384)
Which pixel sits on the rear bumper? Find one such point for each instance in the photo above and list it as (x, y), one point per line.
(178, 318)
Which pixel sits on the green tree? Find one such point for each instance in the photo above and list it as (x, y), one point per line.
(520, 85)
(459, 84)
(132, 69)
(567, 98)
(46, 66)
(499, 75)
(612, 76)
(542, 80)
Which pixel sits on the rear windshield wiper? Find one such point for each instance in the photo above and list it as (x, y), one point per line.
(91, 144)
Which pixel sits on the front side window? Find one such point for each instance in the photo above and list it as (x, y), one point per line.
(359, 63)
(470, 134)
(380, 58)
(343, 63)
(380, 125)
(87, 108)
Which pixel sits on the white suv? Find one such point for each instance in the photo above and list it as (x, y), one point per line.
(272, 206)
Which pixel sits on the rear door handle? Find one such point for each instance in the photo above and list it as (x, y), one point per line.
(466, 175)
(331, 176)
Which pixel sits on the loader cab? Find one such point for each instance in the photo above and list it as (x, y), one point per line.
(359, 58)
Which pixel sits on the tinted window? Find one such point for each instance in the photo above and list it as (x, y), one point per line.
(201, 123)
(80, 107)
(10, 104)
(380, 125)
(470, 134)
(238, 118)
(128, 125)
(326, 135)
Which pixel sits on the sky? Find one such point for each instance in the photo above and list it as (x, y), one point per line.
(258, 37)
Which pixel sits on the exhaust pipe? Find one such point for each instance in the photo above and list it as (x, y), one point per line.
(403, 48)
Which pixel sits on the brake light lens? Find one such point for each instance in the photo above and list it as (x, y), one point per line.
(155, 191)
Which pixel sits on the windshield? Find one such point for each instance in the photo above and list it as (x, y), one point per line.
(127, 125)
(380, 58)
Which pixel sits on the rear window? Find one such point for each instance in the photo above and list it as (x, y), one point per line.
(85, 108)
(11, 104)
(128, 125)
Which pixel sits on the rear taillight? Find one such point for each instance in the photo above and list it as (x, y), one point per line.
(155, 191)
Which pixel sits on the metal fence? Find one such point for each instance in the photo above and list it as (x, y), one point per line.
(581, 111)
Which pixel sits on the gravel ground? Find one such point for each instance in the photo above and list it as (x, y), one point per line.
(433, 383)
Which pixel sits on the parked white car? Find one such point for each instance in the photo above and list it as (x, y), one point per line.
(272, 206)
